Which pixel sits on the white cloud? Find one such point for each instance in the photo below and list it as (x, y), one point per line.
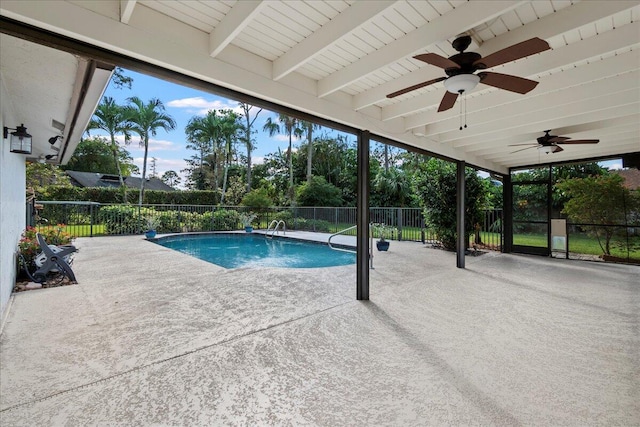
(201, 106)
(154, 145)
(285, 138)
(615, 166)
(257, 160)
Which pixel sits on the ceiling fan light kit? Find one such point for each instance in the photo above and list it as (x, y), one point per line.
(548, 149)
(461, 83)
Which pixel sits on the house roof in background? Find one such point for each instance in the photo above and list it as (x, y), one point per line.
(94, 179)
(631, 177)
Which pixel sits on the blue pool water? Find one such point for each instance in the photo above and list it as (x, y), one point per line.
(251, 250)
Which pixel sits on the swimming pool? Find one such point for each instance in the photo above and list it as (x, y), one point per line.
(252, 250)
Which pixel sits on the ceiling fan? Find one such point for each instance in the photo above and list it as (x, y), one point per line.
(550, 143)
(460, 69)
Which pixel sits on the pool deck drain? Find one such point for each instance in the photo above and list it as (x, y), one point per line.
(151, 336)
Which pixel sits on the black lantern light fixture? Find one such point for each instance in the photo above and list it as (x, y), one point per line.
(20, 139)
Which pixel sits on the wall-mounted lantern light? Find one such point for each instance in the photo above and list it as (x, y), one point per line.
(20, 139)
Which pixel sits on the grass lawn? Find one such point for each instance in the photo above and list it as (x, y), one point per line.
(580, 243)
(77, 230)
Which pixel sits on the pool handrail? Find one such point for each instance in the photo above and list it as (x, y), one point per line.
(275, 229)
(338, 233)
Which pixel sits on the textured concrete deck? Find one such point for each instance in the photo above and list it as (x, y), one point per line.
(151, 336)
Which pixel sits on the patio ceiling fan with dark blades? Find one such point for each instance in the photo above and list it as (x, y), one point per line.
(460, 69)
(551, 143)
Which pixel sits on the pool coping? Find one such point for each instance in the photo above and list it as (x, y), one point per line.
(342, 246)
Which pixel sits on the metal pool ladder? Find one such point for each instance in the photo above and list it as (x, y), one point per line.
(276, 227)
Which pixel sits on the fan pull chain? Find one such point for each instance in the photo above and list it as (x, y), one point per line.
(463, 109)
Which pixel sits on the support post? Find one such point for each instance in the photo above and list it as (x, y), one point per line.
(362, 217)
(507, 214)
(460, 193)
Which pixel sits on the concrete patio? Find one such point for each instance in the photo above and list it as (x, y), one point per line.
(152, 336)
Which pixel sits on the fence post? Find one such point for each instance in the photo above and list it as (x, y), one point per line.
(399, 222)
(91, 220)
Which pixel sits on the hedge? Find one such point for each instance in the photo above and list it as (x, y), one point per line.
(114, 195)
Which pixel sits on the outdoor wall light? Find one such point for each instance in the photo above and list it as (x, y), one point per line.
(20, 139)
(54, 139)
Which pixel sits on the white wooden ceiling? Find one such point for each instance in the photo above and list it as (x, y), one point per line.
(339, 59)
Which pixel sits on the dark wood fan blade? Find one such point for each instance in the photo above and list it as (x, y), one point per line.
(558, 149)
(558, 139)
(511, 53)
(414, 87)
(522, 149)
(581, 141)
(437, 60)
(448, 100)
(508, 82)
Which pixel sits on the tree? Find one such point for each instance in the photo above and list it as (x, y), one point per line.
(120, 80)
(111, 118)
(308, 129)
(290, 125)
(229, 127)
(171, 178)
(40, 175)
(390, 187)
(246, 139)
(601, 201)
(203, 135)
(435, 184)
(96, 155)
(154, 168)
(145, 119)
(319, 193)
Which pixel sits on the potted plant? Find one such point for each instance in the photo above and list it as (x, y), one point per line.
(382, 244)
(152, 223)
(247, 218)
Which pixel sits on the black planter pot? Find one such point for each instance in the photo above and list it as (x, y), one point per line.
(382, 246)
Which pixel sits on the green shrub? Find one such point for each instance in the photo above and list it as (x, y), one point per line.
(119, 219)
(169, 222)
(319, 192)
(226, 220)
(257, 199)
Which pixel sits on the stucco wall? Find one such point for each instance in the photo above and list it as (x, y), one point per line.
(12, 205)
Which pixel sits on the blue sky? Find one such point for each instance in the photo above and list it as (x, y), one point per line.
(183, 103)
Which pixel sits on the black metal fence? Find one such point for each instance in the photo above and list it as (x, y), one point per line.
(94, 219)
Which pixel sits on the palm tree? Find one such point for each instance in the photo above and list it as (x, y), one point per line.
(203, 134)
(291, 126)
(246, 109)
(145, 119)
(229, 127)
(111, 118)
(309, 127)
